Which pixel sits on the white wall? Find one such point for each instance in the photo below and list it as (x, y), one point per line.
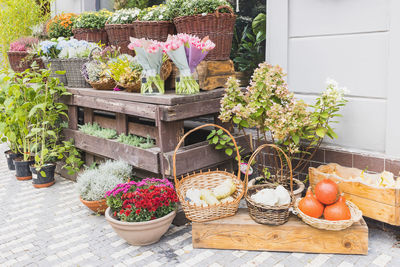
(357, 43)
(74, 6)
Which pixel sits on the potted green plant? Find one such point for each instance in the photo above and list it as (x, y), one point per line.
(268, 106)
(89, 26)
(212, 18)
(141, 212)
(120, 27)
(61, 25)
(93, 183)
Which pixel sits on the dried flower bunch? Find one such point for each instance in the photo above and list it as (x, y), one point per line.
(278, 117)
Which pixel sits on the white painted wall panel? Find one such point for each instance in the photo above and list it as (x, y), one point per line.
(74, 6)
(324, 17)
(362, 125)
(357, 61)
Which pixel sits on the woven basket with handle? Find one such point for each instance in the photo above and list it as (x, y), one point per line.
(102, 84)
(118, 35)
(54, 65)
(217, 26)
(73, 67)
(208, 180)
(266, 214)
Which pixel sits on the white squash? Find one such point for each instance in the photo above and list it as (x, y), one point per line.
(208, 197)
(193, 196)
(283, 195)
(227, 199)
(225, 189)
(265, 196)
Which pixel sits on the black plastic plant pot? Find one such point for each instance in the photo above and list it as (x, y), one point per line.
(10, 156)
(42, 181)
(22, 170)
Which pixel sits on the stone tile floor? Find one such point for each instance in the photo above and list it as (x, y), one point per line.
(50, 227)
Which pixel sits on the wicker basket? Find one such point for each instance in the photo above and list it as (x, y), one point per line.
(218, 27)
(166, 69)
(91, 35)
(155, 30)
(356, 215)
(131, 88)
(207, 180)
(118, 35)
(265, 214)
(17, 63)
(56, 65)
(107, 84)
(73, 67)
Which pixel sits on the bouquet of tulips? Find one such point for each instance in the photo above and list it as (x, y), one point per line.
(187, 51)
(149, 55)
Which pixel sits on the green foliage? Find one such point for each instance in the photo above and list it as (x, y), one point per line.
(61, 25)
(133, 140)
(98, 131)
(92, 20)
(123, 4)
(17, 17)
(189, 7)
(222, 141)
(124, 70)
(155, 13)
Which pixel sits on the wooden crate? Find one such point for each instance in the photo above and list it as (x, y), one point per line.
(382, 204)
(241, 232)
(214, 74)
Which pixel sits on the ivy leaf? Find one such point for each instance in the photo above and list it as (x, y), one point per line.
(321, 132)
(229, 151)
(215, 140)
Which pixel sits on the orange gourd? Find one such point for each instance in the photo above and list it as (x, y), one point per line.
(338, 211)
(310, 205)
(326, 191)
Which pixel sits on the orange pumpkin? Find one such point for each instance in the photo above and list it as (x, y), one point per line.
(338, 211)
(326, 191)
(310, 205)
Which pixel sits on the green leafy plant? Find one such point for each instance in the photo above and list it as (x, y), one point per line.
(267, 104)
(123, 4)
(92, 20)
(155, 13)
(124, 70)
(137, 141)
(198, 7)
(222, 141)
(124, 16)
(61, 25)
(95, 129)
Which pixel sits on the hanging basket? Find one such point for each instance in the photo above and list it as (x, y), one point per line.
(217, 26)
(155, 30)
(91, 35)
(266, 214)
(17, 62)
(73, 67)
(208, 180)
(56, 65)
(118, 36)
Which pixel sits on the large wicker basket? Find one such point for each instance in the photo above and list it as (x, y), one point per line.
(73, 67)
(155, 30)
(17, 62)
(118, 35)
(91, 35)
(266, 214)
(207, 180)
(56, 65)
(217, 26)
(356, 215)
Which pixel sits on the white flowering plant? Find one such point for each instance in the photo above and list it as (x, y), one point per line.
(124, 16)
(179, 8)
(75, 49)
(155, 13)
(268, 106)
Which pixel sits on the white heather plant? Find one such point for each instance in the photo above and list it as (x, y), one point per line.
(124, 16)
(117, 168)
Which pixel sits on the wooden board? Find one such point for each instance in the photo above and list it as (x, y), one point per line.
(146, 159)
(381, 204)
(214, 74)
(241, 232)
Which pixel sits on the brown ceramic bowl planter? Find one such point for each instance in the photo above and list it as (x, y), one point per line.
(10, 156)
(141, 233)
(22, 170)
(40, 181)
(98, 206)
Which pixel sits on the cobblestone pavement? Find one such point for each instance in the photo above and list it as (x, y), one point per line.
(50, 227)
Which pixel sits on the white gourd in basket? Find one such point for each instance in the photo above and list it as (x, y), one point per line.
(225, 189)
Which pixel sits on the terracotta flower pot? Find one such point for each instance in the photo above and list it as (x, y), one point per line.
(141, 233)
(98, 206)
(298, 186)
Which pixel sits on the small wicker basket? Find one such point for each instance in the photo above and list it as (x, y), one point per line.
(266, 214)
(356, 215)
(207, 180)
(73, 67)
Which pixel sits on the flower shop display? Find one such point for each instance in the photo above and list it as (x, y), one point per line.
(338, 214)
(154, 23)
(19, 51)
(120, 27)
(93, 183)
(374, 193)
(187, 51)
(212, 185)
(49, 50)
(270, 203)
(141, 212)
(126, 71)
(74, 54)
(61, 25)
(212, 18)
(90, 26)
(297, 128)
(149, 54)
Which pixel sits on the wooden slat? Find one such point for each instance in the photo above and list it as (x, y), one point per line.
(122, 123)
(191, 110)
(198, 156)
(88, 115)
(169, 98)
(241, 232)
(146, 159)
(73, 117)
(112, 105)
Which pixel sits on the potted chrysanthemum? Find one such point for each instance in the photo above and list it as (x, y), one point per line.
(141, 212)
